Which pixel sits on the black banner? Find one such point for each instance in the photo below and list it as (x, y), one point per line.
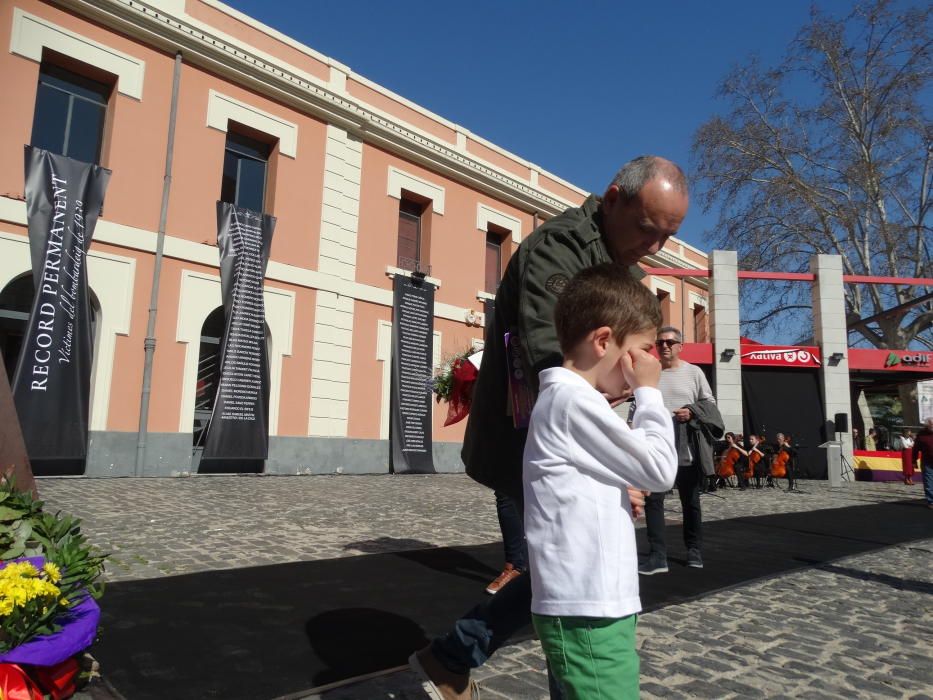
(51, 387)
(412, 353)
(489, 312)
(239, 425)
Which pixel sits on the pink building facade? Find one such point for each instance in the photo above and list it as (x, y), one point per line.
(364, 185)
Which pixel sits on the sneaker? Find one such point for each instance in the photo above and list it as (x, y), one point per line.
(653, 565)
(508, 573)
(694, 559)
(437, 681)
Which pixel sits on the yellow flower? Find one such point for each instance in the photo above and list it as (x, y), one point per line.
(19, 595)
(18, 570)
(52, 571)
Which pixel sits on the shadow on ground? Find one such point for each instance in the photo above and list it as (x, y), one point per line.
(268, 631)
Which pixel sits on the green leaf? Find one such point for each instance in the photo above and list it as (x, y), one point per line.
(23, 531)
(44, 541)
(7, 513)
(15, 551)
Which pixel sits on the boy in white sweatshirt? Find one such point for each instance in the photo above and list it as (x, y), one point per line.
(579, 459)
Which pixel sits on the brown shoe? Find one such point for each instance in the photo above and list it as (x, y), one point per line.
(508, 573)
(438, 682)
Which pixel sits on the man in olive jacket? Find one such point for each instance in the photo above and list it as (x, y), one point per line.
(616, 228)
(642, 207)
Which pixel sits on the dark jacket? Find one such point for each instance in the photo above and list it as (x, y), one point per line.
(923, 447)
(703, 429)
(536, 274)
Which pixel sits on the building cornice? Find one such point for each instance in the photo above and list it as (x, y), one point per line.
(282, 83)
(664, 258)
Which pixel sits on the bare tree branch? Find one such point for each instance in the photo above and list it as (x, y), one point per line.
(845, 168)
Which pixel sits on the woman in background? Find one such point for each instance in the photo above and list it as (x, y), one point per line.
(907, 457)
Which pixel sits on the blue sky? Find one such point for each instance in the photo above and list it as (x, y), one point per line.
(578, 88)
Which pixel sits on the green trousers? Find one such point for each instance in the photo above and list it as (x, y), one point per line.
(592, 658)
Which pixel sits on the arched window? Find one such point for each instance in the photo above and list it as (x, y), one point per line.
(208, 372)
(15, 305)
(212, 332)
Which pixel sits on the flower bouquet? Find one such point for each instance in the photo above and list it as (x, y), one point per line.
(454, 384)
(48, 587)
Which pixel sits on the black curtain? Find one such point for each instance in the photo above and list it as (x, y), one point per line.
(788, 401)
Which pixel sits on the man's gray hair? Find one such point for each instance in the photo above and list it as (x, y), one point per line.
(670, 329)
(637, 172)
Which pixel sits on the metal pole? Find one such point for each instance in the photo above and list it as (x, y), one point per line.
(150, 342)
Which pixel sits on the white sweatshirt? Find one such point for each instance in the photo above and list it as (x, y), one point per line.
(580, 458)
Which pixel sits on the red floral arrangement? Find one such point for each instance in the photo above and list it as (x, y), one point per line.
(454, 384)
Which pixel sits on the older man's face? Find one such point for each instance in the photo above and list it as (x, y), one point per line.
(642, 225)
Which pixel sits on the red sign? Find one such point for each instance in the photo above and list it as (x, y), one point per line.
(891, 360)
(780, 355)
(697, 353)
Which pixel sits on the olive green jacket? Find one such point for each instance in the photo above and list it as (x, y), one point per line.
(537, 273)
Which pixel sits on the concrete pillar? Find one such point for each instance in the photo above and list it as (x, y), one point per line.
(829, 330)
(724, 324)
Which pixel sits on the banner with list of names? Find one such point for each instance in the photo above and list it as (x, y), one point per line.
(239, 425)
(412, 355)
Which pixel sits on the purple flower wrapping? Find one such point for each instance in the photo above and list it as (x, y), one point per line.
(78, 629)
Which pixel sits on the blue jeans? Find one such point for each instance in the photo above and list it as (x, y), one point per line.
(928, 481)
(513, 531)
(487, 626)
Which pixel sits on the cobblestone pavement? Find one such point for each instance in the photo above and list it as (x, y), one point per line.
(860, 627)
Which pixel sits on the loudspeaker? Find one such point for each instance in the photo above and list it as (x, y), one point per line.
(842, 422)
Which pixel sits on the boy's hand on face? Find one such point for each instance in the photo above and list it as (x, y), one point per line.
(640, 368)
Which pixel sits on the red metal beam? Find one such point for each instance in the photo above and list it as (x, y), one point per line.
(871, 279)
(785, 276)
(791, 276)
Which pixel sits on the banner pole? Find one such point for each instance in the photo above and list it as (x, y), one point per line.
(150, 342)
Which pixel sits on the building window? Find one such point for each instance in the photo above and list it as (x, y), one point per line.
(16, 300)
(70, 113)
(494, 241)
(208, 381)
(208, 372)
(410, 220)
(246, 166)
(15, 306)
(700, 327)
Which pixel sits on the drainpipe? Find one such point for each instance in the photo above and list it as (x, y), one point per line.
(150, 342)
